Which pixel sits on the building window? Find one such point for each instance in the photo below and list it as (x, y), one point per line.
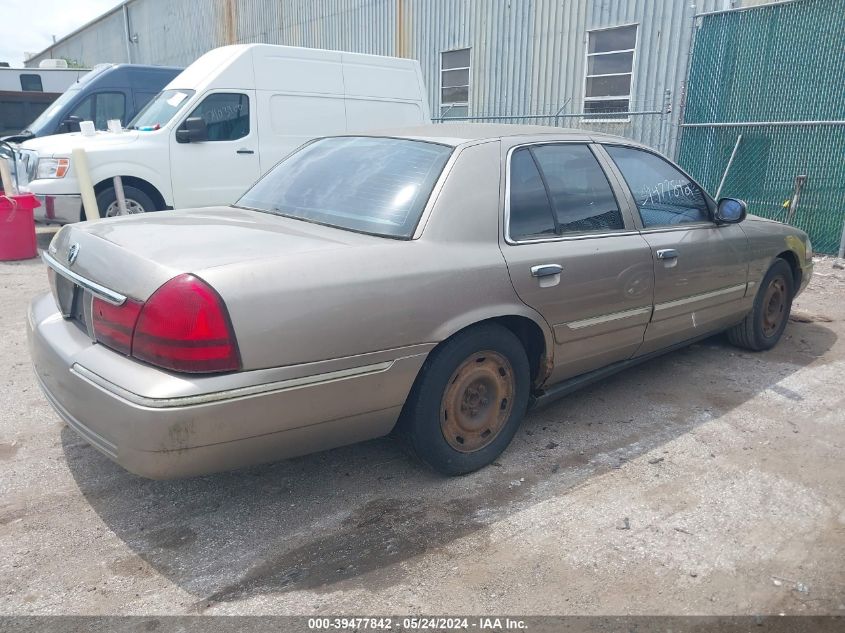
(454, 83)
(31, 83)
(610, 66)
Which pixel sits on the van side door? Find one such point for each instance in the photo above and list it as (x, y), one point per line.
(700, 268)
(574, 255)
(219, 169)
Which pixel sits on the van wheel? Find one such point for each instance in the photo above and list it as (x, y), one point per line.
(136, 202)
(763, 326)
(468, 400)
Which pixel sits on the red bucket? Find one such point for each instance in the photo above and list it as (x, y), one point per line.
(17, 227)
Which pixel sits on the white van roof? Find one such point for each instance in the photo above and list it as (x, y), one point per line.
(292, 69)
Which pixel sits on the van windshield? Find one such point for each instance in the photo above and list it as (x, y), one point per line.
(158, 112)
(44, 124)
(373, 185)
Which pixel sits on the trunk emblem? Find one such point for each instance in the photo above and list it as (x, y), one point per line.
(72, 254)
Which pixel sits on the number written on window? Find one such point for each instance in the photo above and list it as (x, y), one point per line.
(226, 115)
(664, 195)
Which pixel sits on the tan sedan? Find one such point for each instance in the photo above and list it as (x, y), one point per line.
(438, 280)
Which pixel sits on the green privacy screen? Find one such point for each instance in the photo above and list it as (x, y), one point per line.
(776, 76)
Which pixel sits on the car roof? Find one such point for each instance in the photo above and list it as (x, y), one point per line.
(459, 133)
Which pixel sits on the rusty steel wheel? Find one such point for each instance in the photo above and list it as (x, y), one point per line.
(477, 402)
(774, 306)
(763, 326)
(468, 399)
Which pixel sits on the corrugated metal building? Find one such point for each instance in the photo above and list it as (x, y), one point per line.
(524, 57)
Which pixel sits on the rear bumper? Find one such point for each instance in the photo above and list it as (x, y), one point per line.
(62, 209)
(168, 437)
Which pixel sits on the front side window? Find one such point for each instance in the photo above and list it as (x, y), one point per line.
(84, 110)
(101, 107)
(226, 114)
(665, 196)
(558, 189)
(367, 184)
(31, 83)
(454, 83)
(610, 67)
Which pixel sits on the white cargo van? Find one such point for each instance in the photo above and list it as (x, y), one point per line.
(224, 121)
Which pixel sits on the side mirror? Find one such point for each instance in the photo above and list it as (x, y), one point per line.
(71, 124)
(731, 211)
(194, 130)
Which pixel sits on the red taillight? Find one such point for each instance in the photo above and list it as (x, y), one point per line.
(184, 326)
(114, 325)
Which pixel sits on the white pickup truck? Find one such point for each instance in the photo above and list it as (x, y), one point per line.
(223, 122)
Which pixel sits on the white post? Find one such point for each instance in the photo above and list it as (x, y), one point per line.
(86, 187)
(6, 176)
(838, 262)
(121, 197)
(728, 168)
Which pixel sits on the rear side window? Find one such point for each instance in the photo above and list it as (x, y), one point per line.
(226, 114)
(530, 209)
(664, 195)
(581, 195)
(371, 185)
(31, 83)
(558, 189)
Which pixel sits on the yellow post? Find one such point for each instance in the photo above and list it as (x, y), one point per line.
(6, 176)
(86, 187)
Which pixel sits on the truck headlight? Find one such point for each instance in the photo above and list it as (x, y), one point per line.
(52, 167)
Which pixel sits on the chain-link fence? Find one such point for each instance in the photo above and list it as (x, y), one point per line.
(763, 113)
(647, 123)
(764, 118)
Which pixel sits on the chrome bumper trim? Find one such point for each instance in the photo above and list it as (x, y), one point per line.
(66, 208)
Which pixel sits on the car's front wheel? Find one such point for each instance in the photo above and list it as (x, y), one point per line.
(468, 400)
(137, 201)
(763, 326)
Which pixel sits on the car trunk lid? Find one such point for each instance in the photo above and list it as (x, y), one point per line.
(135, 255)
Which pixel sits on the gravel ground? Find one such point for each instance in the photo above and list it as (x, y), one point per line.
(708, 481)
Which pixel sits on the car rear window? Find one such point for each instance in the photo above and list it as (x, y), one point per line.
(372, 185)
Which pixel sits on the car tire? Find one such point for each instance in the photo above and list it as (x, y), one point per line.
(763, 326)
(468, 400)
(137, 201)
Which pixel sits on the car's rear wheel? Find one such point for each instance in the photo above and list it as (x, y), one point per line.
(764, 325)
(137, 201)
(468, 400)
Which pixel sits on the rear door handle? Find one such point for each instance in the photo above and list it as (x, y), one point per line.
(245, 151)
(546, 270)
(667, 253)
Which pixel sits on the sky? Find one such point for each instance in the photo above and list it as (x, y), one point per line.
(19, 32)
